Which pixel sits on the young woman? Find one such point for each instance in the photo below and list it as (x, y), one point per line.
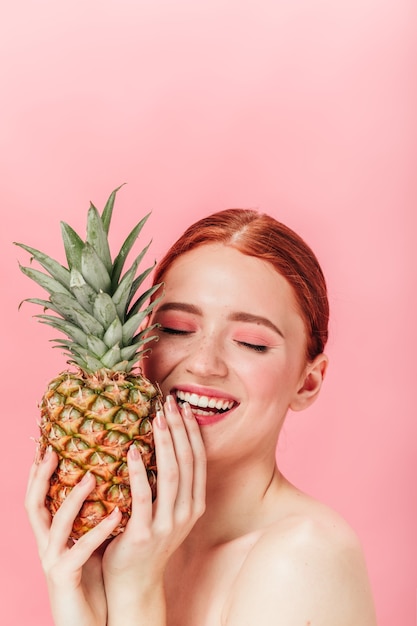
(229, 541)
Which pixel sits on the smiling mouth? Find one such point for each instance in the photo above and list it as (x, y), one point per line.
(204, 405)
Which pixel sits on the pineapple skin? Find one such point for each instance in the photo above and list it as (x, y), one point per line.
(90, 421)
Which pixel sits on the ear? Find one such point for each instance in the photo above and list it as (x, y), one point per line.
(310, 383)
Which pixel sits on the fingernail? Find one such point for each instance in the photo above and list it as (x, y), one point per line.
(114, 513)
(85, 478)
(187, 411)
(134, 452)
(170, 402)
(160, 420)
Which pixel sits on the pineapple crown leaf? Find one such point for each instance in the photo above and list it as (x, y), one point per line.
(132, 324)
(71, 330)
(121, 296)
(46, 304)
(128, 352)
(93, 269)
(104, 309)
(56, 270)
(139, 337)
(73, 245)
(112, 357)
(83, 292)
(72, 311)
(47, 282)
(108, 209)
(139, 302)
(114, 333)
(96, 346)
(92, 299)
(125, 249)
(97, 237)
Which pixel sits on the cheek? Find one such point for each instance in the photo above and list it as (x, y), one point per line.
(273, 380)
(159, 362)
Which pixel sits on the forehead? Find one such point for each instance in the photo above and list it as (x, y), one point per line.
(222, 275)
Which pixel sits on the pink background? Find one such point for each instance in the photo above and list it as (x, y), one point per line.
(302, 108)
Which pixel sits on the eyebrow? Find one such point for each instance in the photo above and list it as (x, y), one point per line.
(236, 316)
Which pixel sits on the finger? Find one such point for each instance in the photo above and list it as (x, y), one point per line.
(141, 491)
(166, 461)
(84, 547)
(63, 521)
(184, 455)
(37, 489)
(199, 459)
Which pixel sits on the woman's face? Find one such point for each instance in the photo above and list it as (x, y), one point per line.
(231, 343)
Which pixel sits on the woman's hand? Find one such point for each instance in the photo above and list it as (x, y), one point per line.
(73, 570)
(135, 561)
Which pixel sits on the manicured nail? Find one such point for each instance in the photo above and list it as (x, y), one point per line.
(114, 513)
(160, 420)
(134, 452)
(171, 404)
(85, 478)
(187, 411)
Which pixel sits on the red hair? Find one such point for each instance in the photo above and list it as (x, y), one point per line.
(263, 237)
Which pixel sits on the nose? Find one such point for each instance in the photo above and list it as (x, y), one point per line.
(207, 358)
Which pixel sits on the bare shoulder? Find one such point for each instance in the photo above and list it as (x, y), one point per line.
(308, 568)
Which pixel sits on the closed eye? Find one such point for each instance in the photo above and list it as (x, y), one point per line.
(174, 331)
(253, 346)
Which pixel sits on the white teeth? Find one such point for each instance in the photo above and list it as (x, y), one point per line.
(204, 401)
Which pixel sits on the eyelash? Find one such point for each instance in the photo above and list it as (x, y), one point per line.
(250, 346)
(173, 331)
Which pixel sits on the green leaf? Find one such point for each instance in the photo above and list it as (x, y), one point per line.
(136, 348)
(85, 359)
(125, 249)
(128, 352)
(140, 338)
(131, 325)
(114, 333)
(56, 270)
(108, 209)
(94, 270)
(111, 357)
(97, 237)
(49, 284)
(143, 298)
(96, 346)
(73, 245)
(122, 293)
(123, 366)
(73, 332)
(92, 364)
(104, 309)
(46, 304)
(72, 311)
(83, 292)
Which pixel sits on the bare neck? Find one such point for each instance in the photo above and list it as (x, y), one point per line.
(240, 500)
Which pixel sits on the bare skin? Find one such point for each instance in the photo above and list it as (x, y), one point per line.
(229, 542)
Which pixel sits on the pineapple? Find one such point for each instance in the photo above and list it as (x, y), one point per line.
(92, 413)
